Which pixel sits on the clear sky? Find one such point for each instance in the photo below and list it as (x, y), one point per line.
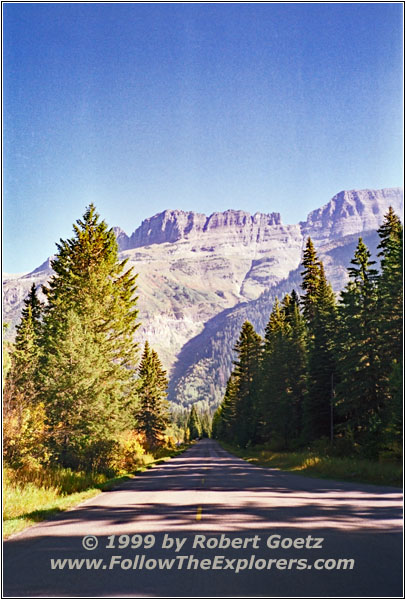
(204, 107)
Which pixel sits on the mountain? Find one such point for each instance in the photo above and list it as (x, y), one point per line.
(201, 276)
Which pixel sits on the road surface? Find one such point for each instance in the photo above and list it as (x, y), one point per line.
(226, 529)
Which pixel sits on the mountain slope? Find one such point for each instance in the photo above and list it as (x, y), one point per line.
(200, 277)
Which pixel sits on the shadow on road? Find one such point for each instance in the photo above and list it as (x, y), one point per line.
(208, 492)
(28, 572)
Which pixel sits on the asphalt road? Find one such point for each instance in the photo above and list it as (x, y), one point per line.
(179, 511)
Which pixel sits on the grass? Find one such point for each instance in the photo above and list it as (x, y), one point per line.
(33, 496)
(327, 467)
(26, 503)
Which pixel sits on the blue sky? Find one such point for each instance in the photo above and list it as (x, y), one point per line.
(204, 107)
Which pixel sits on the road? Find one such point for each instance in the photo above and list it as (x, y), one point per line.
(196, 497)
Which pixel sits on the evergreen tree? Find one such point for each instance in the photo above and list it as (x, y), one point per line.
(273, 378)
(33, 303)
(390, 327)
(153, 412)
(91, 280)
(91, 305)
(22, 384)
(283, 374)
(83, 402)
(296, 361)
(390, 288)
(359, 393)
(224, 420)
(319, 310)
(310, 281)
(193, 423)
(390, 231)
(247, 372)
(24, 427)
(205, 423)
(393, 417)
(318, 409)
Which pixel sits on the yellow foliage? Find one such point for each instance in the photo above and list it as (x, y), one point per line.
(129, 454)
(24, 434)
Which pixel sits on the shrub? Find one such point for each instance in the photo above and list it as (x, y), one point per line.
(129, 454)
(24, 436)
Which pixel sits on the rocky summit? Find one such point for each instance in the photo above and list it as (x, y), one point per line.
(201, 276)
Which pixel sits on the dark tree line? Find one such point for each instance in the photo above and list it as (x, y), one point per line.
(326, 369)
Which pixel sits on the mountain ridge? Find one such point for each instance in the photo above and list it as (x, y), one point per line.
(171, 225)
(219, 269)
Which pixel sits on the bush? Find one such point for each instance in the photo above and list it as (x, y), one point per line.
(129, 454)
(24, 436)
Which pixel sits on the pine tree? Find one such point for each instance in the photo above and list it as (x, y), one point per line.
(319, 310)
(390, 327)
(91, 280)
(83, 402)
(91, 305)
(153, 411)
(273, 378)
(24, 427)
(283, 374)
(390, 287)
(359, 393)
(216, 426)
(37, 307)
(318, 409)
(205, 423)
(247, 373)
(22, 379)
(224, 420)
(296, 361)
(393, 415)
(310, 281)
(193, 423)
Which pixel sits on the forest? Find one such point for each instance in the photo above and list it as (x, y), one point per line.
(84, 403)
(328, 371)
(78, 392)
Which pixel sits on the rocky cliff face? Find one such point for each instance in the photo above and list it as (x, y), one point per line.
(173, 225)
(200, 277)
(351, 212)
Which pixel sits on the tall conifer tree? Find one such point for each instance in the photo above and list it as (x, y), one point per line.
(390, 288)
(24, 428)
(193, 423)
(321, 379)
(153, 411)
(296, 361)
(273, 376)
(247, 374)
(22, 378)
(92, 306)
(224, 421)
(359, 393)
(390, 327)
(310, 281)
(319, 310)
(283, 374)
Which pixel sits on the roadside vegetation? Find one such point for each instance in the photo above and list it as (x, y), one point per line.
(30, 496)
(84, 405)
(323, 464)
(328, 374)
